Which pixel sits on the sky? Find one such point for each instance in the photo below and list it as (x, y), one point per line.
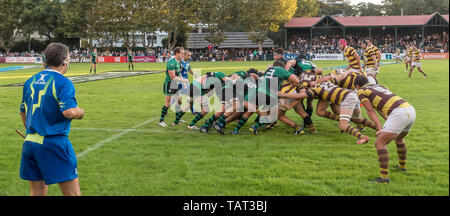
(355, 2)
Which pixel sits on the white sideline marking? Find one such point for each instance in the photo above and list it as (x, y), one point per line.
(103, 142)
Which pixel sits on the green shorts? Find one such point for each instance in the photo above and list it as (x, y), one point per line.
(170, 91)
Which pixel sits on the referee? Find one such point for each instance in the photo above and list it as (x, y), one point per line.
(47, 109)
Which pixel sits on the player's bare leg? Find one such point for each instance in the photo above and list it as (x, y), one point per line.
(321, 110)
(421, 71)
(344, 126)
(410, 71)
(38, 188)
(70, 188)
(283, 118)
(362, 122)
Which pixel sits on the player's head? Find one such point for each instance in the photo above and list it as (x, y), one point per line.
(279, 63)
(302, 56)
(369, 41)
(187, 55)
(178, 52)
(361, 81)
(95, 49)
(278, 54)
(57, 56)
(342, 44)
(252, 72)
(364, 44)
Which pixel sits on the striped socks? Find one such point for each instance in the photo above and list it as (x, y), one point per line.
(178, 117)
(352, 131)
(331, 116)
(383, 158)
(222, 120)
(401, 150)
(163, 113)
(210, 121)
(241, 123)
(197, 118)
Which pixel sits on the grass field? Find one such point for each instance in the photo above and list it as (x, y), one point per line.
(122, 151)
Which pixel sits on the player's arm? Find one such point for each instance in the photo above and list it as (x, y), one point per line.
(176, 78)
(290, 64)
(294, 79)
(358, 60)
(371, 113)
(24, 117)
(74, 113)
(296, 96)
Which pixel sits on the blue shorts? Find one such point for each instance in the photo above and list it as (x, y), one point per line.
(49, 158)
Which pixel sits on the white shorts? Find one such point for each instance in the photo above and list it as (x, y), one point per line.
(408, 58)
(350, 102)
(285, 101)
(400, 119)
(353, 70)
(371, 71)
(416, 64)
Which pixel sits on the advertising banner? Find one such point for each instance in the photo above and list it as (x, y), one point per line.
(112, 59)
(144, 59)
(30, 60)
(327, 57)
(434, 55)
(2, 60)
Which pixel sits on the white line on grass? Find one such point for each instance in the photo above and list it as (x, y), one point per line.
(103, 142)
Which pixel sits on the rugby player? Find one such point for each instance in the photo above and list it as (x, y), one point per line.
(275, 75)
(408, 56)
(93, 61)
(47, 109)
(370, 62)
(400, 118)
(130, 60)
(352, 57)
(377, 53)
(327, 92)
(416, 57)
(173, 78)
(398, 55)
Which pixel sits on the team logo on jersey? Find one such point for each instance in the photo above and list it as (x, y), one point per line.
(41, 80)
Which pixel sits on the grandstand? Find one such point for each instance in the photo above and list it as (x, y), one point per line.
(395, 26)
(233, 40)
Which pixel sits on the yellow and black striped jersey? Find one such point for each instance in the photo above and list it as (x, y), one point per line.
(329, 91)
(349, 81)
(305, 78)
(409, 52)
(416, 55)
(352, 61)
(381, 98)
(369, 53)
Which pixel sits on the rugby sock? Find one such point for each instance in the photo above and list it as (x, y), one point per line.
(178, 117)
(354, 132)
(241, 123)
(210, 121)
(95, 70)
(258, 125)
(383, 158)
(222, 120)
(163, 113)
(132, 67)
(257, 118)
(366, 122)
(90, 71)
(309, 110)
(197, 118)
(331, 116)
(128, 67)
(307, 120)
(401, 150)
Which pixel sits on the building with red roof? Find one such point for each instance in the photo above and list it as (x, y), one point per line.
(393, 25)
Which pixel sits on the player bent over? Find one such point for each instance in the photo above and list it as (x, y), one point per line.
(400, 118)
(347, 99)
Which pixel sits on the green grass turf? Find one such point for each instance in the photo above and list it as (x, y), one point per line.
(176, 161)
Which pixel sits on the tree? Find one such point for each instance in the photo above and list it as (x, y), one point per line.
(149, 20)
(177, 15)
(217, 14)
(45, 17)
(415, 7)
(10, 25)
(307, 8)
(368, 9)
(331, 10)
(260, 17)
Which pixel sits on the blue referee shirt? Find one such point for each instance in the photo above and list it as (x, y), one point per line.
(46, 95)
